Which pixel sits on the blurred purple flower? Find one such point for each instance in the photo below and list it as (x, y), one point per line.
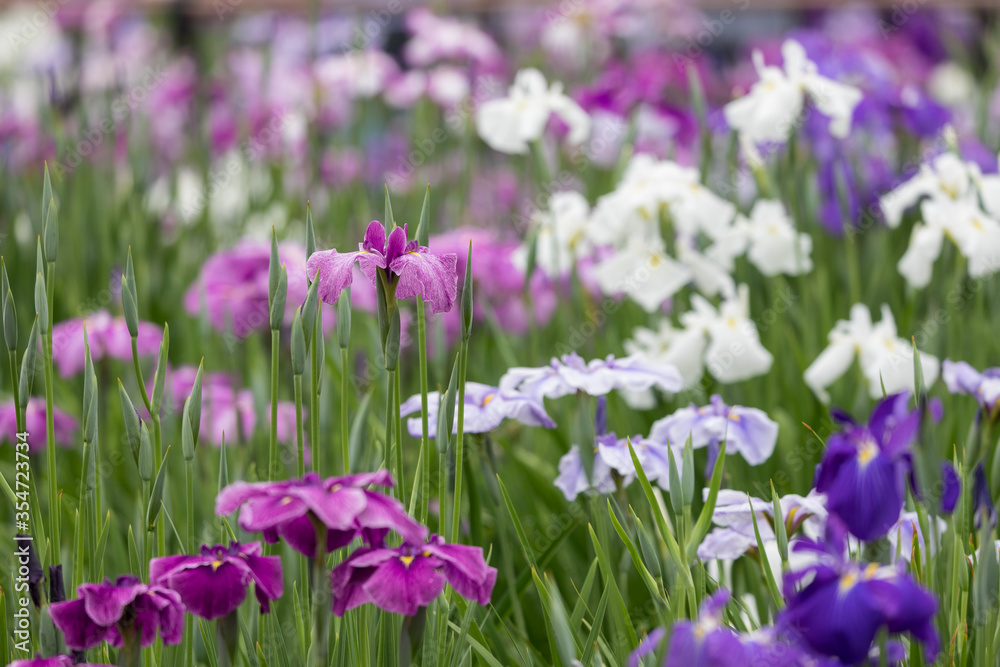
(961, 378)
(112, 610)
(54, 661)
(231, 288)
(403, 579)
(108, 336)
(705, 642)
(214, 583)
(64, 423)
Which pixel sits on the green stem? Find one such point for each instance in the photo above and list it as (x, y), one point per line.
(189, 484)
(297, 380)
(161, 534)
(345, 439)
(147, 544)
(272, 466)
(456, 513)
(14, 381)
(138, 376)
(425, 471)
(50, 452)
(401, 480)
(314, 395)
(390, 452)
(320, 602)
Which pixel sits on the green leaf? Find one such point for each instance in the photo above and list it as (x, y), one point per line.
(156, 495)
(424, 228)
(687, 473)
(358, 427)
(50, 232)
(130, 297)
(277, 310)
(192, 407)
(310, 308)
(446, 411)
(9, 319)
(765, 566)
(522, 536)
(132, 423)
(273, 270)
(780, 532)
(133, 555)
(645, 575)
(27, 377)
(344, 319)
(298, 344)
(41, 303)
(161, 371)
(310, 231)
(390, 220)
(467, 297)
(701, 526)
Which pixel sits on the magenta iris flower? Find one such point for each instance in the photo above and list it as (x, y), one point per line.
(845, 604)
(108, 336)
(54, 661)
(864, 469)
(286, 510)
(406, 267)
(232, 287)
(107, 612)
(486, 408)
(214, 583)
(65, 424)
(405, 578)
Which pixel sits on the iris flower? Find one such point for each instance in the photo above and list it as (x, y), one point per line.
(843, 604)
(486, 408)
(54, 661)
(747, 431)
(111, 611)
(886, 359)
(510, 123)
(570, 374)
(405, 267)
(108, 337)
(774, 105)
(961, 378)
(289, 510)
(214, 583)
(405, 578)
(865, 467)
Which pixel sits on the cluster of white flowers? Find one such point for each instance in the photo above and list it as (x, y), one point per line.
(957, 201)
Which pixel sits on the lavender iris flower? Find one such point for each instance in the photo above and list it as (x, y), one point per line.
(612, 458)
(845, 604)
(214, 583)
(290, 510)
(865, 467)
(486, 408)
(405, 578)
(961, 378)
(570, 374)
(114, 611)
(406, 267)
(748, 431)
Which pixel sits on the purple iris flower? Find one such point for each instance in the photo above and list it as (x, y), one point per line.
(570, 374)
(108, 337)
(406, 268)
(705, 642)
(845, 603)
(287, 510)
(864, 469)
(613, 461)
(214, 583)
(63, 423)
(112, 611)
(54, 661)
(405, 578)
(961, 378)
(485, 409)
(748, 431)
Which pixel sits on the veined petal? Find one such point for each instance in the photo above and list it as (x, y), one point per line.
(433, 276)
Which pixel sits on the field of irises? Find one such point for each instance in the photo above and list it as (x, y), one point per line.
(603, 333)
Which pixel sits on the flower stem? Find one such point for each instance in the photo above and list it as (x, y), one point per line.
(456, 512)
(401, 480)
(14, 381)
(344, 429)
(425, 476)
(297, 380)
(314, 394)
(389, 421)
(50, 450)
(320, 602)
(272, 466)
